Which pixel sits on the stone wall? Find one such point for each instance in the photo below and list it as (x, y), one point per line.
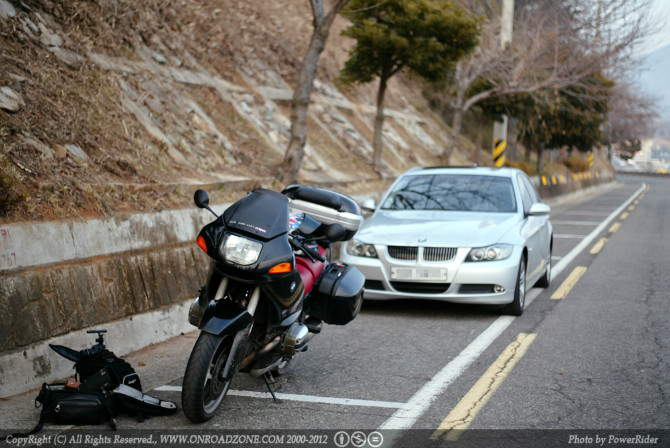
(131, 274)
(38, 304)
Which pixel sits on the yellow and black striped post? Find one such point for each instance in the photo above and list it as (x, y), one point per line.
(499, 152)
(589, 159)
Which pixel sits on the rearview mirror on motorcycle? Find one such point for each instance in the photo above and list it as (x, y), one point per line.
(201, 199)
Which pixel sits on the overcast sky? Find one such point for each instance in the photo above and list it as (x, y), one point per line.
(662, 38)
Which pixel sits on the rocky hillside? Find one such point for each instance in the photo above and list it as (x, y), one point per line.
(118, 105)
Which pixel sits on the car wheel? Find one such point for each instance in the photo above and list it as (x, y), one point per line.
(515, 308)
(545, 280)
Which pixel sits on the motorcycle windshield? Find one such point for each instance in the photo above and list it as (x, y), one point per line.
(262, 213)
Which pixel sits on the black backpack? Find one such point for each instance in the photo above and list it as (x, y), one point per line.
(106, 386)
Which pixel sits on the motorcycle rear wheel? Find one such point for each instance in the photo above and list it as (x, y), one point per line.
(203, 388)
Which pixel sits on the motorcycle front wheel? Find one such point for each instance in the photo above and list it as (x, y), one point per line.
(204, 387)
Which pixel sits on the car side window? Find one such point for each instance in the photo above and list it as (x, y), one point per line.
(525, 194)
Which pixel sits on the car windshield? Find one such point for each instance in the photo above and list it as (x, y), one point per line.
(470, 193)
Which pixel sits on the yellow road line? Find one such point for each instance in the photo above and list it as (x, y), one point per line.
(631, 208)
(624, 215)
(567, 285)
(598, 246)
(615, 227)
(467, 409)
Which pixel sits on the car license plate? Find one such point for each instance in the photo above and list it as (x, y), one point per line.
(419, 274)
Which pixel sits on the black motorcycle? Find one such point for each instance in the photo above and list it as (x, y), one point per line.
(270, 287)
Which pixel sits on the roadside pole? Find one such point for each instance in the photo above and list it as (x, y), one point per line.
(500, 127)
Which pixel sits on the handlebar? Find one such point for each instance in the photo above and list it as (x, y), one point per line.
(313, 254)
(299, 242)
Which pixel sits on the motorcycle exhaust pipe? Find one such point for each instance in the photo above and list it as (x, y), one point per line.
(268, 348)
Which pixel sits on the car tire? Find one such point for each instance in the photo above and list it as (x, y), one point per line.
(545, 280)
(516, 307)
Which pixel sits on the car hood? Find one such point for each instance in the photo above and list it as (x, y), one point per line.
(437, 228)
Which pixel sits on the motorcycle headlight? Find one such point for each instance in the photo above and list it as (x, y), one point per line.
(240, 250)
(361, 249)
(490, 253)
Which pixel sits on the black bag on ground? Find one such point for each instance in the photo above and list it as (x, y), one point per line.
(64, 406)
(107, 386)
(119, 370)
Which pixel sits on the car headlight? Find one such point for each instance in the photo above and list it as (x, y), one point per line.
(490, 253)
(361, 249)
(240, 250)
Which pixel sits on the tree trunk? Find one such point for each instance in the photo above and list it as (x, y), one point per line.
(379, 123)
(295, 152)
(456, 125)
(540, 150)
(480, 139)
(512, 139)
(299, 105)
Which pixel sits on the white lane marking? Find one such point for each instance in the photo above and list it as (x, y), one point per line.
(304, 398)
(403, 419)
(586, 213)
(567, 236)
(577, 223)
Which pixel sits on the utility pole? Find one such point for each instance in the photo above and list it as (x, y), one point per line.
(500, 127)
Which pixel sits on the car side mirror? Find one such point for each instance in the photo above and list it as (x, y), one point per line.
(539, 209)
(369, 205)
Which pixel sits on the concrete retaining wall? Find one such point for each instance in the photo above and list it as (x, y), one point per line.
(134, 273)
(552, 186)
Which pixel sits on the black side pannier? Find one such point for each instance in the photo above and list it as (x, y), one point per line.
(338, 296)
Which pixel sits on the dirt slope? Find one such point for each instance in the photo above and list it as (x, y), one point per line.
(120, 105)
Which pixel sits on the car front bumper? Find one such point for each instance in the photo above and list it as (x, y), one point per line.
(483, 282)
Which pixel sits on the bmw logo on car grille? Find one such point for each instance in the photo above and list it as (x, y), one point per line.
(423, 240)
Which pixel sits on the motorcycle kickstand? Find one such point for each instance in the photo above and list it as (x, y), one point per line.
(270, 382)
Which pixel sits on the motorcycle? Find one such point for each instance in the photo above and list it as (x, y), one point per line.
(270, 287)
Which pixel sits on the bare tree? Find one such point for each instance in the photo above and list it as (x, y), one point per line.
(295, 152)
(556, 44)
(631, 116)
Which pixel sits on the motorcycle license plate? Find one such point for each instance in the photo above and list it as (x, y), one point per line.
(419, 274)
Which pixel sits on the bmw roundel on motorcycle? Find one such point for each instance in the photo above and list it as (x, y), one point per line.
(270, 287)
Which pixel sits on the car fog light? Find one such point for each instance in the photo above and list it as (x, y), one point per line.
(498, 288)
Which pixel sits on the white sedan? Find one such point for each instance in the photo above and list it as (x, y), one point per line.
(467, 235)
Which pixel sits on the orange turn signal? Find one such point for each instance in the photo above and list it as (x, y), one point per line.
(201, 243)
(281, 268)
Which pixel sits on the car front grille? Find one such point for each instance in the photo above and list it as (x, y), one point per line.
(439, 253)
(420, 288)
(429, 253)
(403, 252)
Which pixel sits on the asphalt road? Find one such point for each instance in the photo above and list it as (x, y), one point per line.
(586, 364)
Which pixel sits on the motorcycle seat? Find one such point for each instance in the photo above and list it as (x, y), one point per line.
(309, 270)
